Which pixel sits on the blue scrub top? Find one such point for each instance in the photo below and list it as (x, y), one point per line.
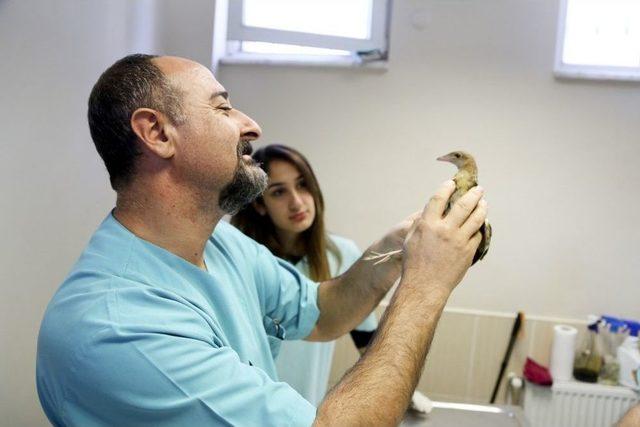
(138, 336)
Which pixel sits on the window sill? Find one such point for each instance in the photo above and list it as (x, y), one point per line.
(588, 73)
(302, 61)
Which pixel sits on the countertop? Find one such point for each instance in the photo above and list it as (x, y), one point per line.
(446, 414)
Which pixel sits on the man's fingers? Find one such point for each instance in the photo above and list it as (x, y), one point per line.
(476, 219)
(438, 202)
(474, 242)
(461, 209)
(412, 218)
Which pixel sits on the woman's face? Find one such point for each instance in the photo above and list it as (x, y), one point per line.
(287, 199)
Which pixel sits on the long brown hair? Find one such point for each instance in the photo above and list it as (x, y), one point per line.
(261, 229)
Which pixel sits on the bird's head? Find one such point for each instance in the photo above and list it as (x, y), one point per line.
(458, 158)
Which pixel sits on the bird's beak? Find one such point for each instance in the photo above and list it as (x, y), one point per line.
(444, 158)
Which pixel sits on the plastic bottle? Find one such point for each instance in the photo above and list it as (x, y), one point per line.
(629, 360)
(612, 333)
(588, 360)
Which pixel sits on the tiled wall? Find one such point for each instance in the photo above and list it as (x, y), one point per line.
(467, 351)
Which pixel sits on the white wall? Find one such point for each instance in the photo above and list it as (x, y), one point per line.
(557, 157)
(53, 185)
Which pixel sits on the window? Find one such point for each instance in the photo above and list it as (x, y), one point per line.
(599, 39)
(351, 32)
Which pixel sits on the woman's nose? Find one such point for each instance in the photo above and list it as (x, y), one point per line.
(296, 201)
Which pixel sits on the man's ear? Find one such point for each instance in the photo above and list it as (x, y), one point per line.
(154, 131)
(259, 207)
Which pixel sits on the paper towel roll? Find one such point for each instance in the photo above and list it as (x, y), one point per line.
(562, 352)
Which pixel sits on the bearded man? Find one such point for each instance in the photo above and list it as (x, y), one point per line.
(166, 317)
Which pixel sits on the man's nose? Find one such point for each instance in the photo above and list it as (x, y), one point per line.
(249, 129)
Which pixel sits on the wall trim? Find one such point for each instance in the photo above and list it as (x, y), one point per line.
(506, 315)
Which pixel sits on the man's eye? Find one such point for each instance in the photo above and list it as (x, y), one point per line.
(225, 108)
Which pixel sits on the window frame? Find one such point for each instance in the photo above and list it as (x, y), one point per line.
(377, 42)
(583, 71)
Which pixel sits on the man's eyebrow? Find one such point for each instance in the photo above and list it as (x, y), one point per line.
(222, 93)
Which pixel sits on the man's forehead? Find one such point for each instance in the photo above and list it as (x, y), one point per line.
(189, 74)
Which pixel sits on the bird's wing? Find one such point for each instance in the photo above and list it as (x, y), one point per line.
(483, 247)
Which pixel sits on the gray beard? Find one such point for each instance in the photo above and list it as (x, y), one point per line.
(247, 184)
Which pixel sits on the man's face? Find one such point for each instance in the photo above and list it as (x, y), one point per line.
(213, 147)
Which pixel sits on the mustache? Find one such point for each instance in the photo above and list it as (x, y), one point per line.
(244, 147)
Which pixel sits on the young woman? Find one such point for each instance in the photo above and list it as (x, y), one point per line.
(289, 219)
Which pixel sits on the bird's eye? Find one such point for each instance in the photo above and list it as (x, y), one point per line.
(457, 155)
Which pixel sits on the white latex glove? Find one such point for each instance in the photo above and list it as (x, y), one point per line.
(420, 403)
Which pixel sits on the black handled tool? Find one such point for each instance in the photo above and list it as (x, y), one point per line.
(517, 324)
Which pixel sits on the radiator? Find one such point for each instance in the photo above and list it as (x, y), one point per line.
(576, 404)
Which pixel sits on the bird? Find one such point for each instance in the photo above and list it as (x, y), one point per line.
(465, 178)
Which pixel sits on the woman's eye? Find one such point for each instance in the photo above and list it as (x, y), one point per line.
(276, 193)
(302, 184)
